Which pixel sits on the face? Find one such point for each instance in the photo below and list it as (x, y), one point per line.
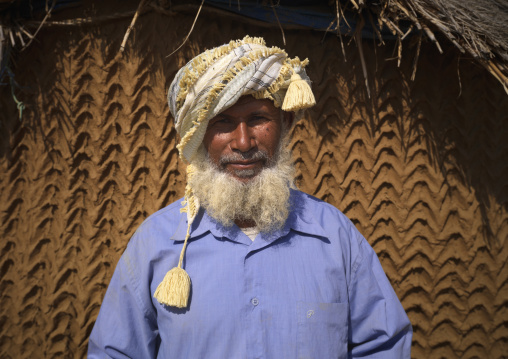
(244, 139)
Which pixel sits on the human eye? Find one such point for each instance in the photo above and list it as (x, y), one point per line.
(259, 119)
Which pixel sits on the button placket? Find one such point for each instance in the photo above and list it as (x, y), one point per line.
(253, 322)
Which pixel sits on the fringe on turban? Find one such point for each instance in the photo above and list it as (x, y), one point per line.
(208, 85)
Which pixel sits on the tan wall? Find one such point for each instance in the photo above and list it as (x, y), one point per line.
(421, 168)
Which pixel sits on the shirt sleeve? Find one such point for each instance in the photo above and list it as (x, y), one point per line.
(379, 326)
(126, 326)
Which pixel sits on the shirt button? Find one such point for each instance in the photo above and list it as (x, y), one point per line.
(254, 301)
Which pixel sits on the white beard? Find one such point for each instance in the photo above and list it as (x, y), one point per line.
(264, 199)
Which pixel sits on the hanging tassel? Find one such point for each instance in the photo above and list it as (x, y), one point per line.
(174, 289)
(299, 95)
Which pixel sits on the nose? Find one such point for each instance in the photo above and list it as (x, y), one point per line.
(242, 138)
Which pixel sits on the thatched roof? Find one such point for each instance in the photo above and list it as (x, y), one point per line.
(477, 28)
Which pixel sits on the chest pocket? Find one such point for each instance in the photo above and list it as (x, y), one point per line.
(322, 330)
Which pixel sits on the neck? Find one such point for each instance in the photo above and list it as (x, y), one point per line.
(245, 223)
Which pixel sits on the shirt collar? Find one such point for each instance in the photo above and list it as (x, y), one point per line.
(199, 226)
(300, 219)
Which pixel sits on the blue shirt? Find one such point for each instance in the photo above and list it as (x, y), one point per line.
(314, 289)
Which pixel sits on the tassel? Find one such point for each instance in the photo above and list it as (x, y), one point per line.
(174, 289)
(299, 95)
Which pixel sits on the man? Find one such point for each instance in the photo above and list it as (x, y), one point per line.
(262, 270)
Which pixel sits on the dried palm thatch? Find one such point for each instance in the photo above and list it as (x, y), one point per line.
(478, 28)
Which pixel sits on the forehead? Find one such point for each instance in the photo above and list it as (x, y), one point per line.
(248, 104)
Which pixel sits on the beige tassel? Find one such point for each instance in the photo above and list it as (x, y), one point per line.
(174, 289)
(299, 95)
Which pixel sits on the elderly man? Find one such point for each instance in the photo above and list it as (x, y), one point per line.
(262, 270)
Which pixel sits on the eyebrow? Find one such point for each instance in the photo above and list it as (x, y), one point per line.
(259, 112)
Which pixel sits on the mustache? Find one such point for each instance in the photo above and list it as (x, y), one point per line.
(253, 155)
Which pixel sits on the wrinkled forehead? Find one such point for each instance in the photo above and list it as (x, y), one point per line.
(248, 106)
(248, 103)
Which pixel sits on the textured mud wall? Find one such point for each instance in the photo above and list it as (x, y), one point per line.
(420, 167)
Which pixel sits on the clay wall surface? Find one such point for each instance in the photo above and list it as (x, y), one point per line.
(420, 167)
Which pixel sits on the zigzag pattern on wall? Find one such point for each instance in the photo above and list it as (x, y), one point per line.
(414, 174)
(420, 168)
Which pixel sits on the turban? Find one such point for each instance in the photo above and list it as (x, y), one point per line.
(208, 85)
(214, 81)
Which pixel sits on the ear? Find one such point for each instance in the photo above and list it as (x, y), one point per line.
(288, 119)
